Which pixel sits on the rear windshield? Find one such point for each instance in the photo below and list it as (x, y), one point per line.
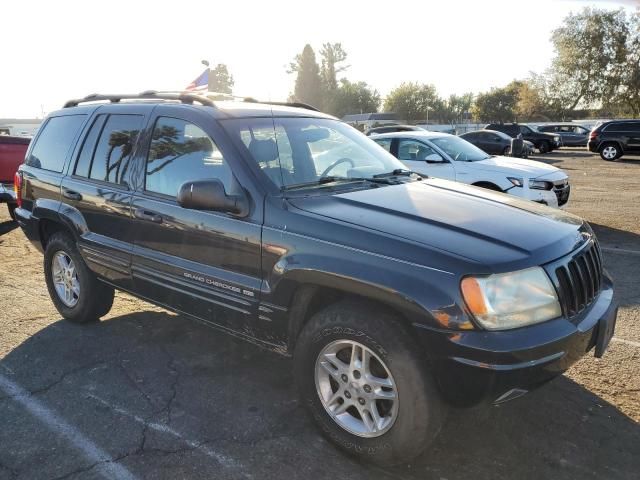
(54, 142)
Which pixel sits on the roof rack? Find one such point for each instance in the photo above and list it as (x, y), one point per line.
(183, 97)
(204, 98)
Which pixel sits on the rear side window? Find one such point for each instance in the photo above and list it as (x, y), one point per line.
(180, 152)
(115, 147)
(384, 143)
(83, 166)
(51, 148)
(623, 127)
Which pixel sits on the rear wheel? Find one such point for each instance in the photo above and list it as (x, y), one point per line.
(365, 384)
(74, 289)
(12, 211)
(506, 151)
(609, 152)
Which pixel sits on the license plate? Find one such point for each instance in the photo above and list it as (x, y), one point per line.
(606, 327)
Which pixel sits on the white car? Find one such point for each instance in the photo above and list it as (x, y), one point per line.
(441, 155)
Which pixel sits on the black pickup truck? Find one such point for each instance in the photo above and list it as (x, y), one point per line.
(396, 295)
(543, 141)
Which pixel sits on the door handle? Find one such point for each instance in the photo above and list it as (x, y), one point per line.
(143, 214)
(71, 195)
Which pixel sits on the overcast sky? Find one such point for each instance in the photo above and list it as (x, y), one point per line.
(56, 50)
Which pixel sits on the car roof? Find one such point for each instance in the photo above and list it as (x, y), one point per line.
(424, 134)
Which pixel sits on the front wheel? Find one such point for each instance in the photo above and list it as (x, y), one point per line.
(544, 147)
(74, 289)
(365, 384)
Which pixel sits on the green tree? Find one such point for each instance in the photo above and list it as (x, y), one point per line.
(532, 104)
(454, 108)
(332, 55)
(353, 97)
(497, 105)
(308, 87)
(590, 56)
(627, 93)
(413, 101)
(220, 80)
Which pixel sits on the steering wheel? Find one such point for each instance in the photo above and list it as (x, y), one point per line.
(335, 164)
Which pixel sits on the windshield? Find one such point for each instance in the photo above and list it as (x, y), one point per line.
(300, 151)
(459, 149)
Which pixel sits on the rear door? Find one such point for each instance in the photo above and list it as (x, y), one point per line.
(633, 133)
(97, 189)
(204, 263)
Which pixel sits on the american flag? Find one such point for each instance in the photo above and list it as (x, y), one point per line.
(201, 83)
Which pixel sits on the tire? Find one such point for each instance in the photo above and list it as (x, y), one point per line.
(544, 147)
(610, 152)
(409, 423)
(87, 299)
(12, 211)
(506, 151)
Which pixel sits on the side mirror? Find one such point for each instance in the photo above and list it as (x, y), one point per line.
(434, 158)
(210, 195)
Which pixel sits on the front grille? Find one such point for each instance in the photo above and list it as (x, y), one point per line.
(579, 279)
(562, 189)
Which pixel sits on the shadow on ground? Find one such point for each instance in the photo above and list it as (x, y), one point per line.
(171, 398)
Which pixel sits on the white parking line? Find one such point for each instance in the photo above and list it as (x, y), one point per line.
(220, 458)
(55, 423)
(627, 342)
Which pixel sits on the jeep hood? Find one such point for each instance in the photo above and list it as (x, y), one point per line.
(499, 231)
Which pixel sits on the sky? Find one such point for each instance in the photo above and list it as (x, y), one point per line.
(56, 50)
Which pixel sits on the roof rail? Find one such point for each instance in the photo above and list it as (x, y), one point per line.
(284, 104)
(183, 97)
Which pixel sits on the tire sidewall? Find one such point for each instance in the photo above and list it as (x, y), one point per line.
(544, 147)
(615, 157)
(412, 429)
(78, 313)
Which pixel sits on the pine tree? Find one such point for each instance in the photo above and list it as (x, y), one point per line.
(308, 88)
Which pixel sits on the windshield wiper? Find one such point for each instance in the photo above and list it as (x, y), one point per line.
(398, 172)
(320, 181)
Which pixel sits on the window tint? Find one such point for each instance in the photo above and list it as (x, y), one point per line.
(180, 152)
(384, 143)
(623, 127)
(83, 166)
(53, 143)
(113, 152)
(413, 150)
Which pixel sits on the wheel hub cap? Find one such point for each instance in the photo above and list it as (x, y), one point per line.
(356, 388)
(65, 279)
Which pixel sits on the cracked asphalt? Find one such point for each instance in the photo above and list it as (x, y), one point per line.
(146, 394)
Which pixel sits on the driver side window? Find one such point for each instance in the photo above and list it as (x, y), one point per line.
(413, 150)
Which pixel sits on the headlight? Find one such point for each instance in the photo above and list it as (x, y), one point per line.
(557, 139)
(511, 300)
(540, 185)
(518, 182)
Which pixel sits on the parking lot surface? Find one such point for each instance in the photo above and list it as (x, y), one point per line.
(146, 394)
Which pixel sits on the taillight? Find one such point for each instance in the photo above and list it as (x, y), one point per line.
(17, 187)
(593, 135)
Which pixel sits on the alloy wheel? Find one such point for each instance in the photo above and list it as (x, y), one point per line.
(65, 279)
(610, 152)
(356, 388)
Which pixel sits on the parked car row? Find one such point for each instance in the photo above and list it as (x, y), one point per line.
(450, 157)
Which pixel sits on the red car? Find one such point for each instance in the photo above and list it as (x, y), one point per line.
(12, 153)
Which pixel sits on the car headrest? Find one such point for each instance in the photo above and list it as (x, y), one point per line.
(263, 150)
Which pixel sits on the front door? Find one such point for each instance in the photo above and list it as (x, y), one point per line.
(422, 158)
(203, 263)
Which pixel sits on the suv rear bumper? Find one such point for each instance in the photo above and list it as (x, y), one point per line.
(30, 226)
(6, 193)
(481, 366)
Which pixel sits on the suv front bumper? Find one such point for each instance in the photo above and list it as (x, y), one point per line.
(6, 193)
(483, 366)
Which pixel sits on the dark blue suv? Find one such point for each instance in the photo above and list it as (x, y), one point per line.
(396, 295)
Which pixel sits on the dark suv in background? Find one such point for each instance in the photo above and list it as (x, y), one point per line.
(544, 142)
(614, 139)
(395, 294)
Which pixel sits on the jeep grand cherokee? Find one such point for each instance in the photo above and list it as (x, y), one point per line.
(396, 295)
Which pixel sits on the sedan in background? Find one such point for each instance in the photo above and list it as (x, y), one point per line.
(572, 135)
(394, 128)
(450, 157)
(495, 143)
